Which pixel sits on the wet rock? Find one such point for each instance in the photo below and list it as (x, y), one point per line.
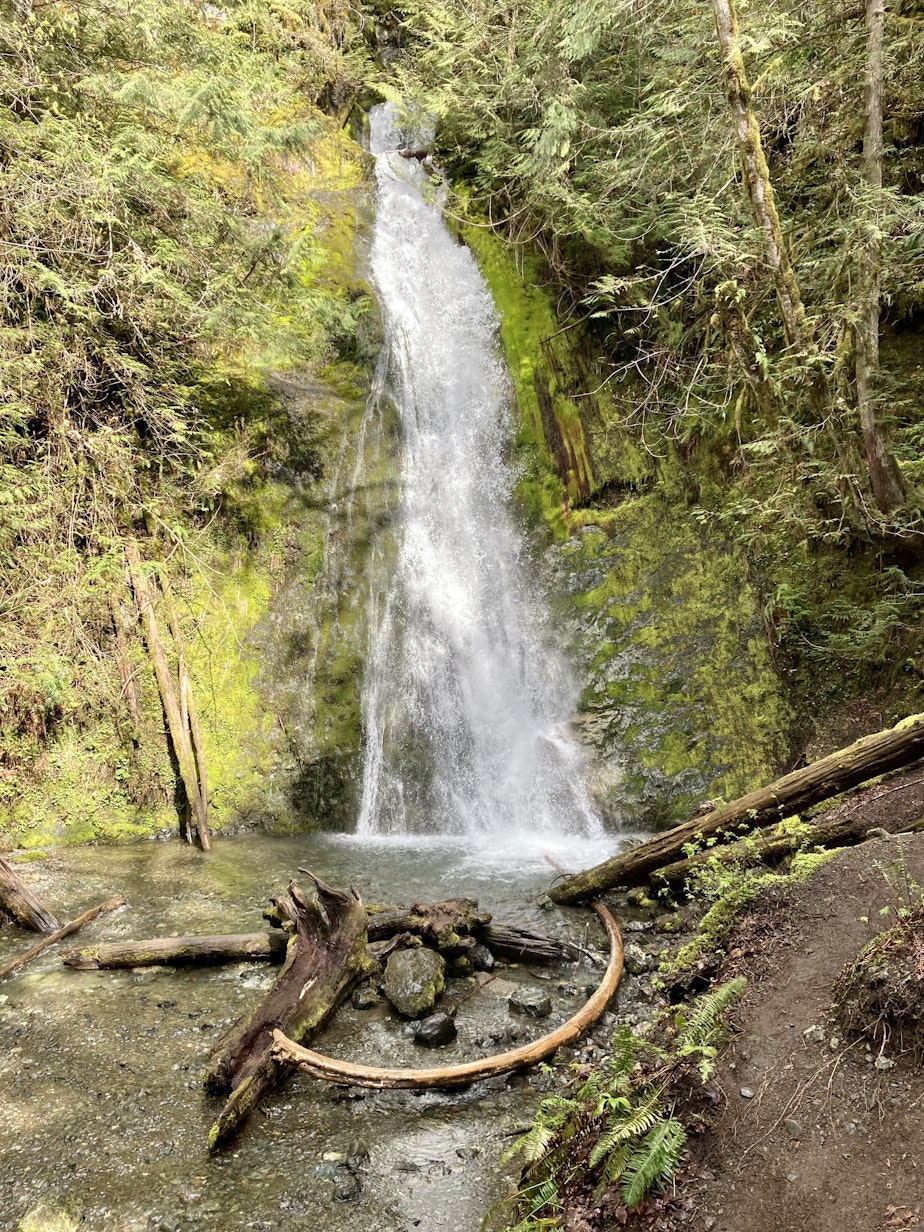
(461, 966)
(531, 1002)
(347, 1186)
(640, 897)
(670, 923)
(435, 1031)
(636, 959)
(637, 926)
(364, 997)
(413, 981)
(482, 958)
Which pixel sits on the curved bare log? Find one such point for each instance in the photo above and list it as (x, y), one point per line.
(318, 1066)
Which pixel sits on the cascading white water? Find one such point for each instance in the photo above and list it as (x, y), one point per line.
(465, 703)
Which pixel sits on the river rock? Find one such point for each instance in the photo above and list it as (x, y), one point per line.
(531, 1002)
(435, 1030)
(364, 997)
(413, 981)
(635, 958)
(482, 958)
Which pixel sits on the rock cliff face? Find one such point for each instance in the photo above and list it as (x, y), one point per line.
(679, 697)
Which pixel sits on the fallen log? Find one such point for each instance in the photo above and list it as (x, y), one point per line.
(67, 930)
(179, 951)
(772, 848)
(286, 1051)
(17, 900)
(325, 956)
(524, 945)
(861, 761)
(441, 924)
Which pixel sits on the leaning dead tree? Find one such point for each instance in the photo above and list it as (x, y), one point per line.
(861, 761)
(18, 901)
(176, 695)
(319, 1066)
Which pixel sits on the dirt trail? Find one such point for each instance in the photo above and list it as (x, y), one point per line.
(813, 1133)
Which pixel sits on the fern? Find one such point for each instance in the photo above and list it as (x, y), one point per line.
(640, 1120)
(654, 1162)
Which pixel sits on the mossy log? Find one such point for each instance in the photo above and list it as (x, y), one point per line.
(287, 1051)
(861, 761)
(456, 924)
(17, 900)
(59, 934)
(764, 849)
(326, 956)
(441, 924)
(180, 951)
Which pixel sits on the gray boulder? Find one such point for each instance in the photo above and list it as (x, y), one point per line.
(413, 981)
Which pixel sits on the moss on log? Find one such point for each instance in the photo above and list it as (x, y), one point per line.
(861, 761)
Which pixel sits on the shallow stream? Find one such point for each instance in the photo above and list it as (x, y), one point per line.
(101, 1104)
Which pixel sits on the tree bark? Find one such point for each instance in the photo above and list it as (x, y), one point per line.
(18, 901)
(524, 945)
(180, 951)
(866, 759)
(59, 935)
(318, 1066)
(178, 725)
(442, 924)
(885, 477)
(757, 178)
(325, 958)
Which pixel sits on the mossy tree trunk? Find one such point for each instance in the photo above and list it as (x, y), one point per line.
(885, 477)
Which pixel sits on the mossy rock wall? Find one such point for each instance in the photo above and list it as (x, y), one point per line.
(679, 698)
(268, 593)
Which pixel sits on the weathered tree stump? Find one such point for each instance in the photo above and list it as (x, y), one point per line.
(326, 955)
(17, 900)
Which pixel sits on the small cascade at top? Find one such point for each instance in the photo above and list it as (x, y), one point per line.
(466, 704)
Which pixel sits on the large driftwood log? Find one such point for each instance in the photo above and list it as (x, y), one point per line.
(864, 760)
(180, 951)
(18, 901)
(67, 930)
(318, 1066)
(326, 956)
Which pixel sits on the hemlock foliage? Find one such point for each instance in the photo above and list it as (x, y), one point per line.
(599, 139)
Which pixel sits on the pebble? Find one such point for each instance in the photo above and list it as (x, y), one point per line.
(794, 1129)
(746, 1093)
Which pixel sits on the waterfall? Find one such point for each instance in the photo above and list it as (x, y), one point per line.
(466, 702)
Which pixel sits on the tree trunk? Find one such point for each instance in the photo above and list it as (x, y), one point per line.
(757, 178)
(18, 901)
(180, 951)
(66, 931)
(885, 477)
(326, 957)
(318, 1066)
(866, 759)
(177, 725)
